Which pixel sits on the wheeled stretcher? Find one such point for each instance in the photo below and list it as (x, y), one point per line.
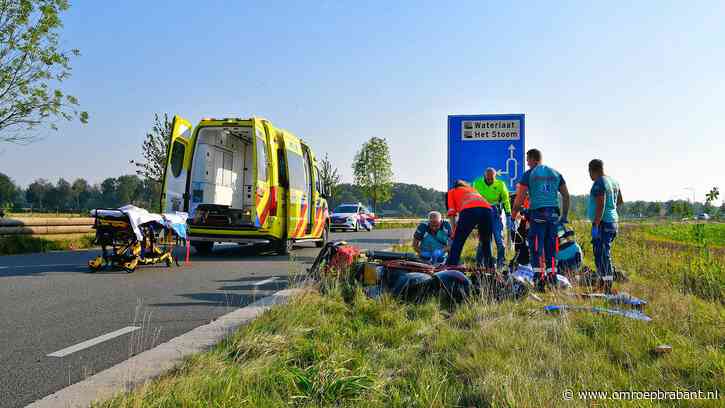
(130, 236)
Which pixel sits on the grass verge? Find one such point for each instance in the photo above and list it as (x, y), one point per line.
(23, 244)
(344, 350)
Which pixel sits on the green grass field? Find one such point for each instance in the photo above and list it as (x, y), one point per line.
(342, 349)
(714, 233)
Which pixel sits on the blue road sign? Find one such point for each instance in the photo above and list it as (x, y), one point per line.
(476, 142)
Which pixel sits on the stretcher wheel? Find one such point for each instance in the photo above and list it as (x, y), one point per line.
(130, 266)
(96, 264)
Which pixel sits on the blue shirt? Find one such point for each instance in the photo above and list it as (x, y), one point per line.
(430, 242)
(609, 188)
(543, 183)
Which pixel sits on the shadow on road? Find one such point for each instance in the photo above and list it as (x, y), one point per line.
(226, 297)
(215, 299)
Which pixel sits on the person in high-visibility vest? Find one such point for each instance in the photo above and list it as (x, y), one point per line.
(472, 211)
(496, 193)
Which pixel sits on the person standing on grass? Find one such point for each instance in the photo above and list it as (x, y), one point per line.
(472, 211)
(543, 185)
(432, 239)
(496, 193)
(604, 199)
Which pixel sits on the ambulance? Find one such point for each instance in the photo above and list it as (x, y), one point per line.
(244, 181)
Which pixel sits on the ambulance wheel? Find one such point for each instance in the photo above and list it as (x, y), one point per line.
(324, 237)
(203, 247)
(284, 246)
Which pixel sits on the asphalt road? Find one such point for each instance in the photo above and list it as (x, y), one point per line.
(50, 307)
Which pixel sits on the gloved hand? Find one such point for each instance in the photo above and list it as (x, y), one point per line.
(595, 232)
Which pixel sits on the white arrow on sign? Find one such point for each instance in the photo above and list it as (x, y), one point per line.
(512, 167)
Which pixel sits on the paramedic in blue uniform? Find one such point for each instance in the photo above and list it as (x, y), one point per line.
(604, 199)
(543, 185)
(432, 239)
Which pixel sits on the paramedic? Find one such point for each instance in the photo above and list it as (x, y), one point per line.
(543, 185)
(473, 211)
(432, 239)
(496, 193)
(604, 199)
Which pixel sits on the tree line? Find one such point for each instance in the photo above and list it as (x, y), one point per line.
(78, 196)
(411, 200)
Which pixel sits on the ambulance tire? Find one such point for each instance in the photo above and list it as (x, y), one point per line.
(324, 237)
(284, 246)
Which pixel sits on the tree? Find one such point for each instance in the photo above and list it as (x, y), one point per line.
(128, 189)
(329, 176)
(37, 191)
(710, 197)
(32, 67)
(372, 169)
(154, 150)
(653, 209)
(8, 191)
(108, 193)
(80, 189)
(59, 196)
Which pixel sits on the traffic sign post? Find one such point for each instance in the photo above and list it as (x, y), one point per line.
(476, 142)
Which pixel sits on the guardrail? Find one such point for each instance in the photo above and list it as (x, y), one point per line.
(398, 220)
(52, 227)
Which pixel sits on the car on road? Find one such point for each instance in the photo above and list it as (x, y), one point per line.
(703, 216)
(352, 217)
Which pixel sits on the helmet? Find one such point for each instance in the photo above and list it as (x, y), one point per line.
(453, 285)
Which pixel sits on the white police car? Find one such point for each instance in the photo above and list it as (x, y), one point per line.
(352, 217)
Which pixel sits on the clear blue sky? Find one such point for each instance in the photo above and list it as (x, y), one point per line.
(640, 86)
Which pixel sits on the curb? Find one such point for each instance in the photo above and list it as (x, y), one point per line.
(127, 375)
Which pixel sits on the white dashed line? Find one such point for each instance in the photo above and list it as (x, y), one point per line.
(92, 342)
(266, 281)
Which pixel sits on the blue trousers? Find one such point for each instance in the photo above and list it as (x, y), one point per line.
(497, 227)
(602, 248)
(543, 225)
(468, 219)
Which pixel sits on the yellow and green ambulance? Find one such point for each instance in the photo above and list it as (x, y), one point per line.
(244, 181)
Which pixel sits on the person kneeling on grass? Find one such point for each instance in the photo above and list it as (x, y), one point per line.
(432, 238)
(472, 211)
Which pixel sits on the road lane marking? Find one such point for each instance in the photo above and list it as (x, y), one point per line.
(266, 281)
(92, 342)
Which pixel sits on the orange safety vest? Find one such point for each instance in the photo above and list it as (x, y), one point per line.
(461, 198)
